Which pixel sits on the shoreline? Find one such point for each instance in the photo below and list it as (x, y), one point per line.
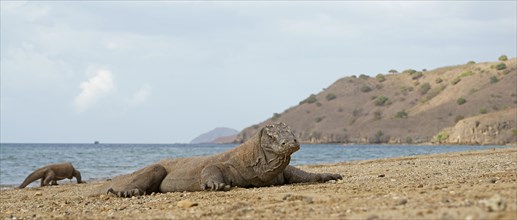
(6, 186)
(479, 184)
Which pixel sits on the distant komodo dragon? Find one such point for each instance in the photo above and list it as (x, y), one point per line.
(51, 173)
(261, 161)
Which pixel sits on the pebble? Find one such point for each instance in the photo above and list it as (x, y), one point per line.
(495, 204)
(373, 217)
(401, 201)
(186, 204)
(331, 181)
(38, 194)
(290, 197)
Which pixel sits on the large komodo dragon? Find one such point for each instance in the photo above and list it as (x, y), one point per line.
(51, 173)
(261, 161)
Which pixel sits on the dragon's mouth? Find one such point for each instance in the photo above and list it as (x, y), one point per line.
(296, 148)
(291, 149)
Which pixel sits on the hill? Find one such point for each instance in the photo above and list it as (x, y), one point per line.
(217, 135)
(407, 107)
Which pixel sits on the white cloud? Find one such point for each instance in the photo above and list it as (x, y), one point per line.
(141, 95)
(97, 86)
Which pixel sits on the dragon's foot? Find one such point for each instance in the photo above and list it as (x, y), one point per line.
(215, 186)
(330, 176)
(126, 193)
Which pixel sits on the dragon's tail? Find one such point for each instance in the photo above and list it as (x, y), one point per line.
(38, 174)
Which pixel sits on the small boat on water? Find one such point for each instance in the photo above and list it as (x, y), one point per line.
(96, 142)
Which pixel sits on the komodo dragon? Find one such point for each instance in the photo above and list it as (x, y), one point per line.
(51, 173)
(261, 161)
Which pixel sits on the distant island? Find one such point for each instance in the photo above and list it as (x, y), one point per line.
(472, 103)
(219, 135)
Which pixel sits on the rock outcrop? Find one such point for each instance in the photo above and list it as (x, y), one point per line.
(493, 128)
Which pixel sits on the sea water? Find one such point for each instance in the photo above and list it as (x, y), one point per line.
(101, 161)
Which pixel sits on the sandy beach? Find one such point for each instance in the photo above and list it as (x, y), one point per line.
(467, 185)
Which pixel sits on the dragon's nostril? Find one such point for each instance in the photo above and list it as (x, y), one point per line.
(283, 143)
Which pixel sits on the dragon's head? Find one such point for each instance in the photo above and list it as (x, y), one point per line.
(279, 139)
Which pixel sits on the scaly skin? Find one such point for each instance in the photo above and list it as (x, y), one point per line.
(261, 161)
(50, 174)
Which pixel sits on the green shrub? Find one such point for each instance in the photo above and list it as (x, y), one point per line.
(363, 76)
(503, 58)
(438, 80)
(276, 116)
(380, 77)
(409, 71)
(442, 136)
(471, 62)
(461, 101)
(424, 88)
(319, 119)
(456, 80)
(416, 75)
(311, 99)
(381, 100)
(365, 88)
(405, 89)
(466, 73)
(494, 79)
(393, 71)
(330, 96)
(500, 66)
(401, 114)
(483, 111)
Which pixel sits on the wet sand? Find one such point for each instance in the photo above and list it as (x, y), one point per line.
(466, 185)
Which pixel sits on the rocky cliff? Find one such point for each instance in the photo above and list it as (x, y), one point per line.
(493, 128)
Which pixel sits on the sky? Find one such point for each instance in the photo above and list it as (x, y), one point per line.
(168, 71)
